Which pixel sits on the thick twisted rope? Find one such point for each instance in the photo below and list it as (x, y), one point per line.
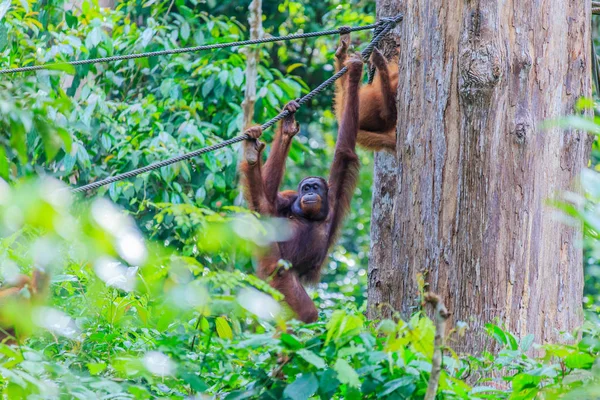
(371, 70)
(191, 49)
(387, 23)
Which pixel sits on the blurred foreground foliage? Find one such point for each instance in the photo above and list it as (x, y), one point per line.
(130, 318)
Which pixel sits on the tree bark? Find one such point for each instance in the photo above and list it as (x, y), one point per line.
(256, 32)
(252, 57)
(463, 200)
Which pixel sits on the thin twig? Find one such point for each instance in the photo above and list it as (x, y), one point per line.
(208, 341)
(196, 332)
(441, 315)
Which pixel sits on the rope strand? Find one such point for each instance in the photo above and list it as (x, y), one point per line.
(387, 23)
(190, 49)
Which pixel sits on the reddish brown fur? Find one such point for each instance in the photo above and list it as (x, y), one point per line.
(311, 239)
(377, 114)
(37, 285)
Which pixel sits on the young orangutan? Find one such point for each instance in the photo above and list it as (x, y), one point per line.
(377, 114)
(318, 207)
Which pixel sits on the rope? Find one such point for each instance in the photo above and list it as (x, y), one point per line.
(191, 49)
(371, 70)
(387, 23)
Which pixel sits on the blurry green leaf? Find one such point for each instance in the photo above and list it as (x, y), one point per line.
(4, 7)
(290, 341)
(526, 342)
(292, 88)
(185, 31)
(579, 360)
(96, 368)
(497, 333)
(223, 328)
(66, 138)
(525, 381)
(238, 77)
(4, 170)
(328, 383)
(302, 388)
(200, 195)
(573, 122)
(208, 86)
(70, 19)
(223, 75)
(195, 382)
(346, 374)
(25, 5)
(584, 103)
(387, 327)
(64, 67)
(312, 358)
(292, 67)
(392, 386)
(220, 182)
(3, 34)
(18, 139)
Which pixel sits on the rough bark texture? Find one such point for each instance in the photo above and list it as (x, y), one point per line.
(252, 57)
(463, 202)
(256, 32)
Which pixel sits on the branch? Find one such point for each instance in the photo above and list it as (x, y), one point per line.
(441, 315)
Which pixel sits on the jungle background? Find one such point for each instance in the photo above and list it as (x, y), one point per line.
(152, 292)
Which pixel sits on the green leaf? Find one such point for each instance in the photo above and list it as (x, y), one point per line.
(497, 333)
(208, 86)
(96, 368)
(3, 164)
(200, 195)
(396, 384)
(526, 342)
(312, 358)
(525, 381)
(584, 103)
(328, 383)
(195, 382)
(387, 327)
(185, 31)
(66, 138)
(574, 122)
(70, 19)
(579, 361)
(346, 374)
(293, 67)
(302, 388)
(238, 77)
(223, 75)
(18, 139)
(68, 68)
(223, 328)
(3, 36)
(4, 7)
(220, 182)
(290, 341)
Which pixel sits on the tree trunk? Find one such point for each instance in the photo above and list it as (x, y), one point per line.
(463, 199)
(256, 32)
(252, 57)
